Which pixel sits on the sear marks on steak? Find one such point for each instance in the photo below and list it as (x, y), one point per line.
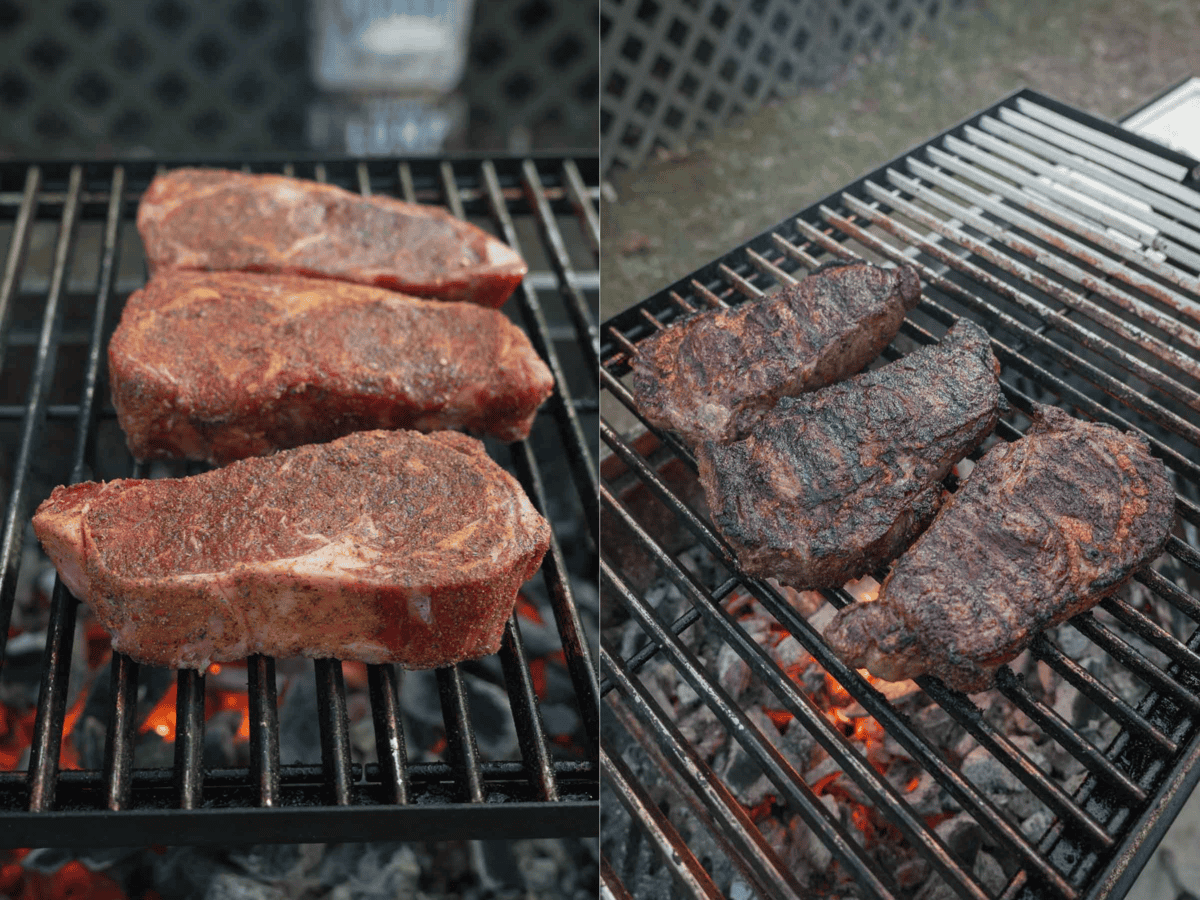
(216, 219)
(1043, 529)
(223, 365)
(710, 376)
(384, 546)
(831, 485)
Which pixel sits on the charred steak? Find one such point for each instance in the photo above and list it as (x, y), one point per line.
(221, 220)
(710, 376)
(1043, 529)
(384, 546)
(830, 485)
(225, 365)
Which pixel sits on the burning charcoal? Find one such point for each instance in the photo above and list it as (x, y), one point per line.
(181, 870)
(559, 718)
(804, 602)
(88, 737)
(789, 655)
(299, 729)
(229, 886)
(739, 890)
(775, 834)
(989, 774)
(744, 777)
(990, 873)
(732, 671)
(277, 862)
(370, 870)
(685, 696)
(496, 866)
(492, 720)
(219, 746)
(701, 728)
(1035, 826)
(936, 889)
(935, 724)
(962, 835)
(912, 872)
(820, 856)
(23, 670)
(926, 798)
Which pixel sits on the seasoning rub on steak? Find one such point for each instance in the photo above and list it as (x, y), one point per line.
(381, 547)
(224, 365)
(710, 376)
(1043, 529)
(216, 219)
(831, 485)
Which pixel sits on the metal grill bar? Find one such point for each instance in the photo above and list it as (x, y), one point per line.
(264, 728)
(122, 732)
(581, 315)
(540, 795)
(1150, 311)
(1029, 198)
(1076, 301)
(689, 874)
(1175, 301)
(580, 457)
(335, 736)
(460, 737)
(723, 816)
(527, 716)
(189, 738)
(576, 649)
(389, 734)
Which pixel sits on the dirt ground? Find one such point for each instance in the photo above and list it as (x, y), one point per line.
(673, 215)
(678, 212)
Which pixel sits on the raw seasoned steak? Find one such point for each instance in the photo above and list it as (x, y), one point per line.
(1044, 528)
(224, 365)
(384, 546)
(220, 220)
(831, 485)
(710, 376)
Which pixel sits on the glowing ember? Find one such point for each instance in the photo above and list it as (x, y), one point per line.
(162, 718)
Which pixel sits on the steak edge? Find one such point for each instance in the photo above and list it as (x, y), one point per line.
(831, 485)
(382, 547)
(216, 219)
(711, 375)
(219, 366)
(1043, 529)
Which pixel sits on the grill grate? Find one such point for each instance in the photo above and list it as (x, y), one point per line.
(544, 207)
(1074, 244)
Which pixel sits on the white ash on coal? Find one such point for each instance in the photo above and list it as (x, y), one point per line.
(784, 831)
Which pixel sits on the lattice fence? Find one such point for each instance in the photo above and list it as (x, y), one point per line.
(110, 77)
(675, 68)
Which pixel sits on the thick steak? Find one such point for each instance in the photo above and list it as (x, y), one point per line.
(221, 220)
(1044, 528)
(710, 376)
(831, 485)
(225, 365)
(384, 546)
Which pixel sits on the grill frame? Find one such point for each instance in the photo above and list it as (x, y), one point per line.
(459, 797)
(725, 278)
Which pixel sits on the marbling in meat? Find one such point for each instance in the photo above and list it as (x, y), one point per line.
(220, 220)
(219, 366)
(384, 546)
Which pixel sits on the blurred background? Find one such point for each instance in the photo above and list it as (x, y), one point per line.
(104, 78)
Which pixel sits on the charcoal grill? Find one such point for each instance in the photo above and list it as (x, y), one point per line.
(75, 282)
(1075, 244)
